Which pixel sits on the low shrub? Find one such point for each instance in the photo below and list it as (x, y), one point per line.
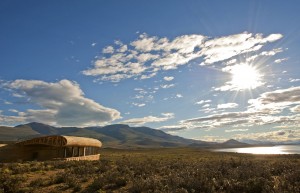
(159, 170)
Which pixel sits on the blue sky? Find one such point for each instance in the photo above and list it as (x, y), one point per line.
(208, 70)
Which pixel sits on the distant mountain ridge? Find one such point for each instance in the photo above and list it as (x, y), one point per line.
(122, 136)
(118, 135)
(115, 136)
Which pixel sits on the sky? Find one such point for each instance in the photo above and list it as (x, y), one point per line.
(207, 70)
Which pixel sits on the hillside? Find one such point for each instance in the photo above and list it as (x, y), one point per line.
(16, 133)
(117, 136)
(233, 143)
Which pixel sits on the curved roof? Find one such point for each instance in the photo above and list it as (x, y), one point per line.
(62, 141)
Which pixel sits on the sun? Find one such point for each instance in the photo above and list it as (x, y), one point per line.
(245, 76)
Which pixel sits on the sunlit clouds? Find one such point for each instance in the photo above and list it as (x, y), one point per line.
(60, 103)
(227, 106)
(146, 56)
(277, 100)
(168, 78)
(264, 110)
(271, 136)
(149, 119)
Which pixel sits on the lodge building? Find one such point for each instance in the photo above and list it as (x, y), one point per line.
(52, 148)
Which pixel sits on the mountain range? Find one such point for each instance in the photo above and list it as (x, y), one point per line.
(113, 136)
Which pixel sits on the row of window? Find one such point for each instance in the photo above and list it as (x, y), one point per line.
(80, 151)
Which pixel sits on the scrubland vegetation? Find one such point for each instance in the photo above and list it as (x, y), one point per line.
(157, 170)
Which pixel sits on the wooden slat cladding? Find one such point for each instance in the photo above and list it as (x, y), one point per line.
(57, 141)
(61, 141)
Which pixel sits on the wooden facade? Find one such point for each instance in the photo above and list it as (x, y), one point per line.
(52, 148)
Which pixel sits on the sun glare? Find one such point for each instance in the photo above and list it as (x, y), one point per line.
(245, 76)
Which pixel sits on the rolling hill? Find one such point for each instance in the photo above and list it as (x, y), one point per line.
(116, 136)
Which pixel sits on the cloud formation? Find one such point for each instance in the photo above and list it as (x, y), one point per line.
(271, 136)
(149, 119)
(227, 106)
(168, 78)
(138, 104)
(276, 100)
(267, 109)
(203, 101)
(165, 86)
(145, 56)
(280, 96)
(62, 103)
(280, 60)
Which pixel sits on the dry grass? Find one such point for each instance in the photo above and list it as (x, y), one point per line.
(157, 170)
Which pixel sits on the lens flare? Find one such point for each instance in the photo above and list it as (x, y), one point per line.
(245, 76)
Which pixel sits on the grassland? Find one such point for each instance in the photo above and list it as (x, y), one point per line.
(157, 170)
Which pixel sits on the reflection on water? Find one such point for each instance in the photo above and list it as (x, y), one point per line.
(282, 149)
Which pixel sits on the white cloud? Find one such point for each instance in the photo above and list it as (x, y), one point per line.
(272, 52)
(219, 117)
(143, 96)
(138, 97)
(144, 76)
(13, 110)
(18, 95)
(138, 89)
(264, 110)
(211, 138)
(149, 119)
(115, 77)
(168, 78)
(230, 62)
(296, 109)
(169, 115)
(173, 60)
(206, 105)
(264, 54)
(11, 120)
(294, 80)
(273, 37)
(108, 50)
(203, 101)
(226, 47)
(207, 110)
(227, 106)
(7, 103)
(151, 54)
(272, 136)
(123, 48)
(280, 60)
(63, 103)
(139, 104)
(145, 43)
(93, 44)
(276, 100)
(179, 96)
(144, 57)
(116, 68)
(165, 86)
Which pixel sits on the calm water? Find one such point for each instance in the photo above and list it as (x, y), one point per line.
(280, 149)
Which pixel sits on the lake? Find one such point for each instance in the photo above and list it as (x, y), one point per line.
(278, 149)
